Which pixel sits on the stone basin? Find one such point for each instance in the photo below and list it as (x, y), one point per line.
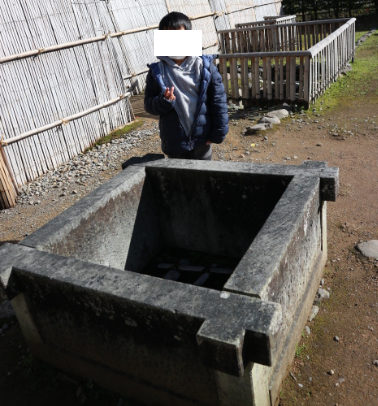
(87, 304)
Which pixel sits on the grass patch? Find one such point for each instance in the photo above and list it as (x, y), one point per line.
(361, 83)
(121, 132)
(299, 350)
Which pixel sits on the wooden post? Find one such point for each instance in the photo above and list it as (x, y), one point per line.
(264, 77)
(269, 77)
(300, 95)
(257, 77)
(253, 75)
(282, 97)
(234, 78)
(307, 80)
(8, 191)
(276, 76)
(292, 78)
(244, 77)
(223, 69)
(288, 63)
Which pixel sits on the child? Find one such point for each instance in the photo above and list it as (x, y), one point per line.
(187, 93)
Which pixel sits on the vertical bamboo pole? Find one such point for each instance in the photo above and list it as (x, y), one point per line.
(8, 192)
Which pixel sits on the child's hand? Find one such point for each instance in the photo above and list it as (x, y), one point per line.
(168, 94)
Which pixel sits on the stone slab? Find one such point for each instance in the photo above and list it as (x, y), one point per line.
(369, 248)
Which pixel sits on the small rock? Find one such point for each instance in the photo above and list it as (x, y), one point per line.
(313, 313)
(337, 339)
(340, 380)
(270, 120)
(300, 385)
(265, 138)
(255, 128)
(331, 372)
(322, 282)
(308, 330)
(74, 192)
(6, 310)
(322, 295)
(319, 144)
(280, 114)
(369, 248)
(375, 362)
(310, 378)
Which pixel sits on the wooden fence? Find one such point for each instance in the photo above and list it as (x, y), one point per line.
(310, 58)
(268, 20)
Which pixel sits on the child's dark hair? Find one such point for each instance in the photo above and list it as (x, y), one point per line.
(175, 20)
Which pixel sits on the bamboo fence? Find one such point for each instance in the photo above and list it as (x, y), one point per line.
(67, 68)
(297, 72)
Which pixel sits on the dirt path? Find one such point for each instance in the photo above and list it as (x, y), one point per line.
(345, 136)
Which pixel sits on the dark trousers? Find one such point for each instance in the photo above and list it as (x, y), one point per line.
(203, 152)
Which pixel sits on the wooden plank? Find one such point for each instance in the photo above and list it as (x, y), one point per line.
(234, 78)
(276, 78)
(244, 76)
(288, 68)
(265, 73)
(301, 77)
(292, 79)
(282, 96)
(253, 76)
(307, 80)
(269, 78)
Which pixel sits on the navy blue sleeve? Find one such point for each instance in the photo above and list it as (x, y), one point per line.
(154, 100)
(217, 103)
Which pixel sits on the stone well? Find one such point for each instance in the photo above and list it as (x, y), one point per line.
(87, 305)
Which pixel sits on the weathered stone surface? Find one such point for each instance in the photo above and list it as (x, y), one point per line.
(269, 120)
(255, 129)
(314, 312)
(6, 310)
(368, 248)
(322, 295)
(280, 114)
(266, 215)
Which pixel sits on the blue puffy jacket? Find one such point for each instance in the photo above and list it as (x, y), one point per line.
(211, 117)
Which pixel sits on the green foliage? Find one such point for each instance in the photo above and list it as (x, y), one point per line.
(321, 9)
(299, 349)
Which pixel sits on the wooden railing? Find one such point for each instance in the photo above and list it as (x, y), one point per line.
(314, 59)
(268, 20)
(277, 37)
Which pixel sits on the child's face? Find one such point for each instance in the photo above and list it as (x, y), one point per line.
(177, 59)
